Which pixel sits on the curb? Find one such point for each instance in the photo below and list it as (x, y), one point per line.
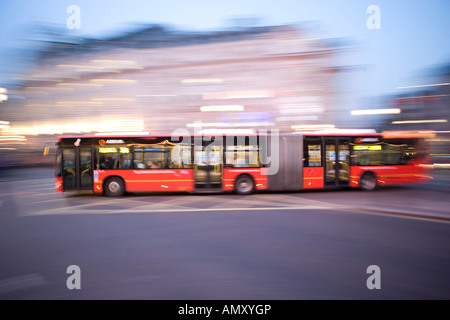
(410, 214)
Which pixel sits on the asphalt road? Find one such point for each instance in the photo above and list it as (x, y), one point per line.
(306, 245)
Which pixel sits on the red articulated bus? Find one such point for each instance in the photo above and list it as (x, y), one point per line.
(114, 165)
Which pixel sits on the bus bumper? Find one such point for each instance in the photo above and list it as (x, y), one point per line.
(58, 184)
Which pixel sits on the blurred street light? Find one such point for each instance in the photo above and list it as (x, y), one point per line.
(375, 111)
(426, 85)
(3, 96)
(419, 121)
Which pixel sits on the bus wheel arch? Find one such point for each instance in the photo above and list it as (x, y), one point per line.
(114, 186)
(244, 184)
(368, 181)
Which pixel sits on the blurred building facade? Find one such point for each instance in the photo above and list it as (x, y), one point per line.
(157, 80)
(425, 108)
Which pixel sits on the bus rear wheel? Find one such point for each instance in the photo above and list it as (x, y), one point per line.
(114, 187)
(368, 182)
(244, 185)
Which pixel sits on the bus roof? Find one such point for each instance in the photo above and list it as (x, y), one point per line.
(100, 136)
(338, 133)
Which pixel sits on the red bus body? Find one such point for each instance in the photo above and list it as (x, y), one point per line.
(309, 161)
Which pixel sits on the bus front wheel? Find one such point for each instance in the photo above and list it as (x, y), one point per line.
(244, 185)
(368, 182)
(114, 187)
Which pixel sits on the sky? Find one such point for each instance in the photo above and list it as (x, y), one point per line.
(413, 37)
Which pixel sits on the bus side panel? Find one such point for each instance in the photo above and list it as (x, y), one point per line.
(258, 174)
(392, 174)
(313, 178)
(355, 175)
(289, 176)
(148, 180)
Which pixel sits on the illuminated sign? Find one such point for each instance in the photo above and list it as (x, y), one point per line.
(367, 139)
(114, 150)
(103, 142)
(107, 150)
(376, 147)
(114, 141)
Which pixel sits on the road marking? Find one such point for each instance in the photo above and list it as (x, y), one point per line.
(41, 201)
(17, 193)
(402, 215)
(63, 209)
(143, 210)
(177, 204)
(295, 200)
(226, 209)
(52, 194)
(128, 210)
(30, 183)
(21, 282)
(265, 201)
(37, 194)
(166, 201)
(157, 206)
(186, 203)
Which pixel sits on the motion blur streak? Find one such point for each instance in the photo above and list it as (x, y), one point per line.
(125, 79)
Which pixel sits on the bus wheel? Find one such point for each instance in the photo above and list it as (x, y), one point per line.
(367, 181)
(114, 187)
(244, 185)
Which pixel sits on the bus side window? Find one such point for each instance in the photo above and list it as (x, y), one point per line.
(179, 157)
(313, 154)
(125, 161)
(108, 161)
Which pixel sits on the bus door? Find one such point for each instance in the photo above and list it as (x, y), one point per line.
(337, 162)
(77, 168)
(208, 164)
